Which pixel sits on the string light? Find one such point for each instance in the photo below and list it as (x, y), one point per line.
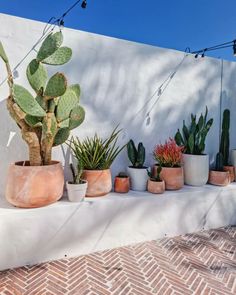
(234, 47)
(202, 52)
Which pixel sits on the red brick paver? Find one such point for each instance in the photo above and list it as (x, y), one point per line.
(201, 263)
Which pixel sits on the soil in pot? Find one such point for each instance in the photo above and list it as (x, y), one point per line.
(122, 184)
(173, 177)
(231, 170)
(221, 178)
(99, 182)
(34, 186)
(156, 187)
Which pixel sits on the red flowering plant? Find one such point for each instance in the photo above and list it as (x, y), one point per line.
(168, 154)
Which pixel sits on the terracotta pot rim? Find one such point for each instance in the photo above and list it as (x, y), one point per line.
(20, 164)
(196, 155)
(159, 181)
(216, 171)
(163, 167)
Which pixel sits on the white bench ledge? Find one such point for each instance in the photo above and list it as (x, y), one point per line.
(65, 229)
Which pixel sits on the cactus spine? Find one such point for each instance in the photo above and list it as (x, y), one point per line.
(136, 155)
(46, 118)
(194, 137)
(224, 140)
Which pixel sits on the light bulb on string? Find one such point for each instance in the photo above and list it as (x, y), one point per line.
(84, 4)
(234, 47)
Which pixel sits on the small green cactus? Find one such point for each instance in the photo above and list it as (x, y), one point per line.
(194, 137)
(47, 117)
(156, 177)
(136, 156)
(219, 162)
(224, 140)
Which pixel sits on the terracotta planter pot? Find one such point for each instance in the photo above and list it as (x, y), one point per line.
(231, 172)
(76, 192)
(121, 184)
(221, 178)
(156, 187)
(173, 177)
(34, 186)
(99, 182)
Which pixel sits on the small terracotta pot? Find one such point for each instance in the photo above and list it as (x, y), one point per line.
(122, 184)
(221, 178)
(173, 177)
(231, 172)
(156, 187)
(99, 182)
(34, 186)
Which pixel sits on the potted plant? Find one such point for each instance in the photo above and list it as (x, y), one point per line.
(122, 183)
(218, 176)
(224, 144)
(96, 155)
(137, 172)
(76, 189)
(196, 163)
(45, 120)
(155, 184)
(169, 157)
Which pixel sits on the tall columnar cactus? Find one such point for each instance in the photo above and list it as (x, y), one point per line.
(224, 140)
(219, 162)
(194, 137)
(46, 118)
(136, 156)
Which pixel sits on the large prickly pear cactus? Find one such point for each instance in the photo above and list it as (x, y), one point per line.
(46, 117)
(136, 156)
(194, 137)
(224, 140)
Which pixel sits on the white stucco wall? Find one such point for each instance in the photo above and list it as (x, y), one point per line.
(118, 79)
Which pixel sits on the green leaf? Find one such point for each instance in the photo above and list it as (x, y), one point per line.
(33, 121)
(61, 136)
(76, 89)
(61, 56)
(65, 105)
(3, 53)
(191, 143)
(56, 86)
(37, 75)
(27, 102)
(50, 45)
(77, 116)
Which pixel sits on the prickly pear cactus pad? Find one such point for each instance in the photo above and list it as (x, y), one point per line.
(47, 116)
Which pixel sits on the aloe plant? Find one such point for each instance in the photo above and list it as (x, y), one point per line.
(45, 118)
(193, 137)
(96, 153)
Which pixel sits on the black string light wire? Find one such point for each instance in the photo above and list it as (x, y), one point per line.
(202, 52)
(48, 29)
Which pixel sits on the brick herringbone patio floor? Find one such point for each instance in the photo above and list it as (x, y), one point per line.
(201, 263)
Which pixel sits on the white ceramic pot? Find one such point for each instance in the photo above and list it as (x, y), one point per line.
(196, 169)
(138, 178)
(76, 192)
(233, 157)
